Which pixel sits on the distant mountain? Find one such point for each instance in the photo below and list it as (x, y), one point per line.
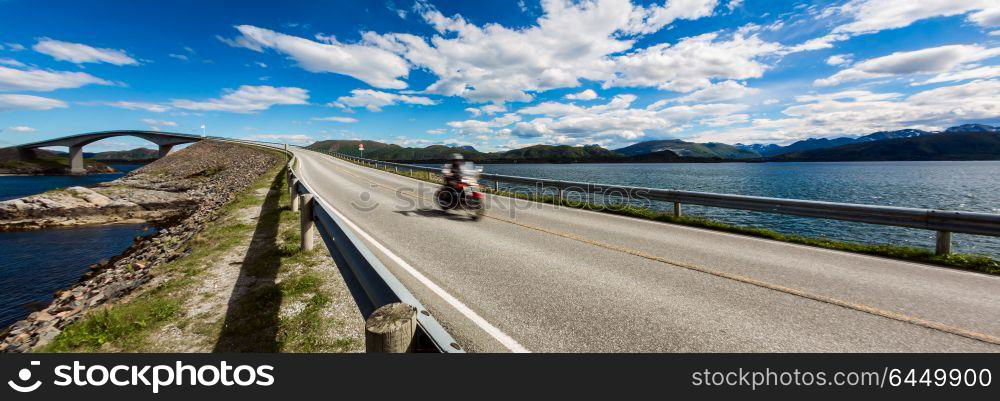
(40, 161)
(689, 149)
(561, 153)
(768, 150)
(951, 146)
(349, 146)
(973, 128)
(137, 154)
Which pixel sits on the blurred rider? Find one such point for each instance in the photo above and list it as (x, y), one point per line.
(455, 167)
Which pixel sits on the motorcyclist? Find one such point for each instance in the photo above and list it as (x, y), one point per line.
(455, 167)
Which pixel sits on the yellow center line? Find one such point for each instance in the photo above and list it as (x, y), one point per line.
(741, 278)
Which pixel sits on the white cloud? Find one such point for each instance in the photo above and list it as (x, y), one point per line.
(248, 99)
(839, 59)
(693, 62)
(159, 123)
(925, 61)
(11, 62)
(28, 102)
(869, 16)
(150, 107)
(295, 139)
(497, 64)
(14, 47)
(769, 102)
(987, 18)
(963, 75)
(859, 111)
(80, 53)
(588, 94)
(45, 80)
(346, 120)
(374, 100)
(374, 66)
(22, 128)
(720, 91)
(733, 4)
(179, 56)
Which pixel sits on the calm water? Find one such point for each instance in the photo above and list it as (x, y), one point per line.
(18, 186)
(37, 263)
(968, 186)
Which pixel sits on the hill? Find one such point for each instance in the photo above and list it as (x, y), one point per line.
(689, 149)
(137, 154)
(951, 146)
(40, 161)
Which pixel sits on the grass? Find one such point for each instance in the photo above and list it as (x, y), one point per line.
(281, 275)
(980, 263)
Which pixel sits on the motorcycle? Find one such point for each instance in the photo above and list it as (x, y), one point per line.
(464, 195)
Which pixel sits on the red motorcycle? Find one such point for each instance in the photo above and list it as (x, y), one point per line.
(462, 195)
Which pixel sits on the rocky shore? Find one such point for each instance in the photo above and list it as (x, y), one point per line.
(180, 193)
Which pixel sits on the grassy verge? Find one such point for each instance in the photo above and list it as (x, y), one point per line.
(279, 302)
(979, 263)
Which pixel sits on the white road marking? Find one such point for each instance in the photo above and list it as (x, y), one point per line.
(501, 337)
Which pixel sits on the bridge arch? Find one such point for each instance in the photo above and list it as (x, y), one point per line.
(164, 140)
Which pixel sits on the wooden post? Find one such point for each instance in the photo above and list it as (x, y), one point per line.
(677, 209)
(943, 243)
(306, 222)
(391, 328)
(295, 194)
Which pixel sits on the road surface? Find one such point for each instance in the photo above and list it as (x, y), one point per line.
(552, 279)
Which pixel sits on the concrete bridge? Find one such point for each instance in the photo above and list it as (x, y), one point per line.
(165, 141)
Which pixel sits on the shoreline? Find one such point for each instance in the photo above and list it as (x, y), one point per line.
(207, 181)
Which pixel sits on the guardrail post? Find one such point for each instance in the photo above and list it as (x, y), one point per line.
(943, 243)
(496, 185)
(293, 190)
(391, 328)
(306, 222)
(677, 209)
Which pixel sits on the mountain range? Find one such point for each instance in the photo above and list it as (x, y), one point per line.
(964, 142)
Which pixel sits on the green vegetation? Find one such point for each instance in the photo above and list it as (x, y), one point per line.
(692, 149)
(277, 305)
(979, 263)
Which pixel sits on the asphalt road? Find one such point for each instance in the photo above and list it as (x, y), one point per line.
(546, 279)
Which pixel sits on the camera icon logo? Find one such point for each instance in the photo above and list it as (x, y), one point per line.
(25, 375)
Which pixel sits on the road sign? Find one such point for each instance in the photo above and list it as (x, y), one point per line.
(361, 147)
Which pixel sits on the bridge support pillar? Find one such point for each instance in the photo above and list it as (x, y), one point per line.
(76, 160)
(165, 149)
(306, 222)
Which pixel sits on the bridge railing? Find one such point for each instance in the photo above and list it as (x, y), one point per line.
(372, 284)
(944, 222)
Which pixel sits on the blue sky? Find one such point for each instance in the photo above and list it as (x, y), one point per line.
(497, 74)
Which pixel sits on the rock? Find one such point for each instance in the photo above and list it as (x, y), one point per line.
(47, 336)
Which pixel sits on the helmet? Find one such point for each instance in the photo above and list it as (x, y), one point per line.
(456, 156)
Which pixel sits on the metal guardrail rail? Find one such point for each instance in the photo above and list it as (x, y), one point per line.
(372, 284)
(944, 222)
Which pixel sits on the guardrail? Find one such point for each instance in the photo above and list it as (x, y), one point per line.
(944, 222)
(380, 296)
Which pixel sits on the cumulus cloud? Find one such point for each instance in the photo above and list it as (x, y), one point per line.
(839, 59)
(588, 94)
(158, 123)
(614, 122)
(964, 75)
(693, 62)
(497, 64)
(721, 91)
(851, 112)
(150, 107)
(295, 139)
(925, 61)
(11, 62)
(45, 80)
(21, 128)
(28, 102)
(346, 120)
(372, 65)
(80, 53)
(374, 100)
(248, 99)
(869, 16)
